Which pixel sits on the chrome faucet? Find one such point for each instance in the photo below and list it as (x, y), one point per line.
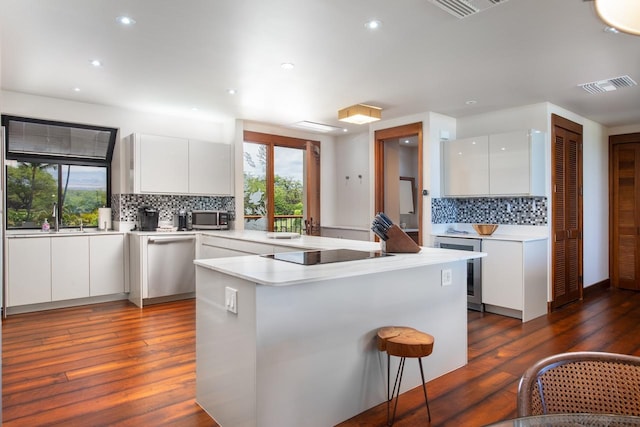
(54, 215)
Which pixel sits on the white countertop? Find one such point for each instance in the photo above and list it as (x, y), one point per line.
(302, 241)
(12, 234)
(271, 272)
(494, 236)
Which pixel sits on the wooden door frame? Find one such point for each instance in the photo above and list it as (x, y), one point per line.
(390, 133)
(561, 122)
(285, 141)
(613, 141)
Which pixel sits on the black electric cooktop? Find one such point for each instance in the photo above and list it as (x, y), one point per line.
(325, 256)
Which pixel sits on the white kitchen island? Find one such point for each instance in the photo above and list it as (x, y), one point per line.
(301, 350)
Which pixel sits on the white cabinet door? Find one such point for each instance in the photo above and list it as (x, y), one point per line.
(69, 267)
(106, 264)
(209, 168)
(29, 271)
(208, 251)
(502, 274)
(163, 164)
(516, 164)
(510, 169)
(466, 167)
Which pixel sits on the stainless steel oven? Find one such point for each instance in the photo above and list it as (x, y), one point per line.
(474, 267)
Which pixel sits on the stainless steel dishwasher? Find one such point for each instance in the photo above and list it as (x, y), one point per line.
(170, 265)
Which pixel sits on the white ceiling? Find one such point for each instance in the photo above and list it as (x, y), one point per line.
(185, 54)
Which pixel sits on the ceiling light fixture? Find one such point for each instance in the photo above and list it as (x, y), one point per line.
(287, 66)
(624, 15)
(125, 20)
(96, 63)
(360, 114)
(373, 24)
(471, 102)
(231, 91)
(76, 89)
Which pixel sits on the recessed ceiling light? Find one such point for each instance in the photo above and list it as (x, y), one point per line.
(611, 30)
(471, 102)
(345, 130)
(406, 141)
(76, 89)
(194, 108)
(96, 63)
(231, 91)
(373, 24)
(125, 20)
(287, 66)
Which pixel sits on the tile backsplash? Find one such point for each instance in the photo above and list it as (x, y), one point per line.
(124, 207)
(492, 210)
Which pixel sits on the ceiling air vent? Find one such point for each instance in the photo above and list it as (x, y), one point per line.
(608, 85)
(463, 8)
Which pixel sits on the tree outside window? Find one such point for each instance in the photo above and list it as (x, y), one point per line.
(33, 188)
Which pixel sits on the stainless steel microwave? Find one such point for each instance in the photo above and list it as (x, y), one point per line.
(209, 220)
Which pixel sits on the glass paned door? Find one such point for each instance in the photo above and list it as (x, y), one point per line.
(255, 186)
(288, 173)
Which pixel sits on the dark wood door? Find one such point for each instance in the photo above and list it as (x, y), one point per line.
(566, 208)
(625, 212)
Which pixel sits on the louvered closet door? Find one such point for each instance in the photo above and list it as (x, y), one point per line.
(567, 217)
(626, 204)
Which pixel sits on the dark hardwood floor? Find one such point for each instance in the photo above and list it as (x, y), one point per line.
(114, 364)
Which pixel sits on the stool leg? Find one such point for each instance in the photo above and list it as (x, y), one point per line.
(396, 386)
(424, 388)
(388, 385)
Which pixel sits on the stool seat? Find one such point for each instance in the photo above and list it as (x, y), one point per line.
(403, 342)
(410, 344)
(390, 332)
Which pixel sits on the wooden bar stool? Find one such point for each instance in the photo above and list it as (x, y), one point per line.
(403, 342)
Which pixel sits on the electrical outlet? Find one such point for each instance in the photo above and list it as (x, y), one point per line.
(447, 277)
(231, 299)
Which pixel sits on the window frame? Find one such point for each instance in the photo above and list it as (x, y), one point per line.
(58, 160)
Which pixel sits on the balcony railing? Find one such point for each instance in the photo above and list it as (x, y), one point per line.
(288, 223)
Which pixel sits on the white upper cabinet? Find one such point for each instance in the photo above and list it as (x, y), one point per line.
(167, 165)
(506, 164)
(159, 164)
(516, 164)
(209, 168)
(466, 167)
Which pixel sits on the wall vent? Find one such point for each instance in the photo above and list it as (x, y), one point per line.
(463, 8)
(608, 85)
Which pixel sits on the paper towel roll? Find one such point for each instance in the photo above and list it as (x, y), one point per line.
(104, 219)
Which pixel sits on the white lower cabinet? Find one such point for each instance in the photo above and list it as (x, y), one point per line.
(106, 265)
(60, 268)
(28, 271)
(69, 267)
(514, 278)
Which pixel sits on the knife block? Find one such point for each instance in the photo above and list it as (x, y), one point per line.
(399, 242)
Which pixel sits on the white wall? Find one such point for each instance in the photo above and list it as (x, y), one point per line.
(351, 159)
(621, 130)
(127, 121)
